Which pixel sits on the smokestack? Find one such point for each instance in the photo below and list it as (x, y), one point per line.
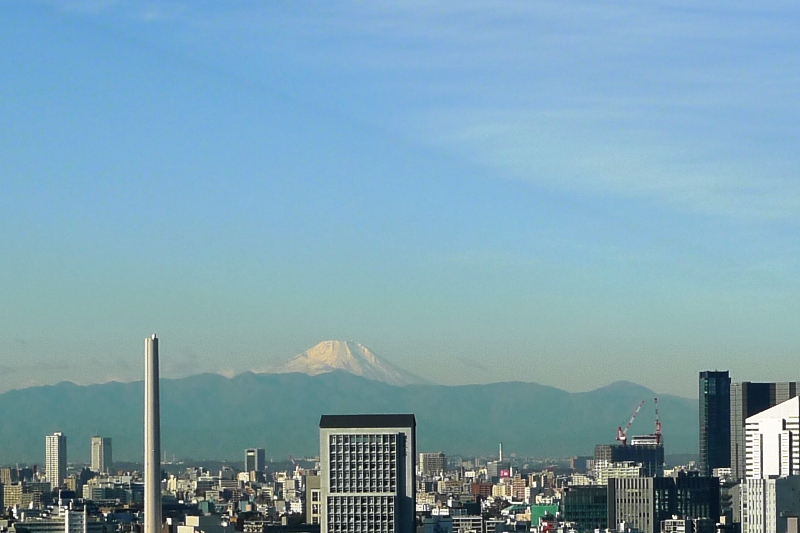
(501, 452)
(152, 439)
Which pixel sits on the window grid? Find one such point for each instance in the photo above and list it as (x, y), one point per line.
(363, 463)
(361, 514)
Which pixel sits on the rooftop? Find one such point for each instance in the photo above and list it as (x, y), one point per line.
(368, 421)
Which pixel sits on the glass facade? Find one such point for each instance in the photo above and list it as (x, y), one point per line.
(715, 421)
(586, 507)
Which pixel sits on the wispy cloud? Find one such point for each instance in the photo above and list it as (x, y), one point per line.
(553, 151)
(125, 9)
(691, 104)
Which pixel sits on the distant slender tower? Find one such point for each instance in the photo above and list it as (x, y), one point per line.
(152, 439)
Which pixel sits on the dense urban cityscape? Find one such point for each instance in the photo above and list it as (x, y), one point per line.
(370, 477)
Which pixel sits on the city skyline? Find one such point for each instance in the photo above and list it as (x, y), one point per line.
(581, 192)
(367, 479)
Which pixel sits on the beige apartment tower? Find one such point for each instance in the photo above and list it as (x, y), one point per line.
(56, 459)
(101, 454)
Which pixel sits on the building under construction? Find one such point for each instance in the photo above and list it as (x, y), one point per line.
(647, 450)
(647, 453)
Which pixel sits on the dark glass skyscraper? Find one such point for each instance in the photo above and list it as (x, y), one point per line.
(254, 460)
(715, 421)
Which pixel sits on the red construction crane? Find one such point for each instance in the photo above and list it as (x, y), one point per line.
(622, 434)
(658, 423)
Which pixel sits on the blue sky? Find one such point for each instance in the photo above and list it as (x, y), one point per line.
(564, 192)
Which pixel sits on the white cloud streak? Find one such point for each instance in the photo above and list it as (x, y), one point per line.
(684, 103)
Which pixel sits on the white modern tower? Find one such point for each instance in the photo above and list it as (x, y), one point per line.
(772, 441)
(101, 454)
(768, 497)
(152, 439)
(56, 459)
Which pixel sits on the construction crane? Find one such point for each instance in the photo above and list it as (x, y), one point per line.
(658, 423)
(297, 467)
(622, 434)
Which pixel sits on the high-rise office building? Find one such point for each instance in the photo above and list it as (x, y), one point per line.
(254, 459)
(643, 503)
(769, 494)
(772, 442)
(748, 399)
(8, 475)
(648, 453)
(715, 421)
(585, 507)
(770, 505)
(431, 464)
(313, 501)
(498, 469)
(56, 459)
(101, 454)
(367, 473)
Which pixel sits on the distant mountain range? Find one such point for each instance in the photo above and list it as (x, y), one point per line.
(209, 416)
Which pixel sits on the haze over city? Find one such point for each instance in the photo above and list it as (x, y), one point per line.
(565, 193)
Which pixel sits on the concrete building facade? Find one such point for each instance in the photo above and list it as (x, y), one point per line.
(770, 495)
(56, 459)
(152, 438)
(770, 505)
(772, 441)
(431, 464)
(627, 469)
(368, 473)
(643, 503)
(748, 399)
(313, 500)
(102, 460)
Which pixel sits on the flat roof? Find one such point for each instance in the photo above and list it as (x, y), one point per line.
(368, 421)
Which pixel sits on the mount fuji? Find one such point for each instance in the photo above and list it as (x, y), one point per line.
(347, 356)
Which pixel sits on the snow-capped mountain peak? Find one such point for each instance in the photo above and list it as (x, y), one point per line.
(348, 356)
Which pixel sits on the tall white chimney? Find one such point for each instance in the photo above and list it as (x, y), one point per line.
(152, 439)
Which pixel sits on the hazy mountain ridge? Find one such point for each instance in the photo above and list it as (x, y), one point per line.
(208, 416)
(347, 356)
